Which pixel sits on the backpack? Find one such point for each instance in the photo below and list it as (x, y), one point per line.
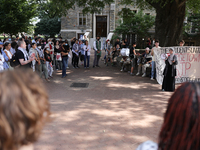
(14, 61)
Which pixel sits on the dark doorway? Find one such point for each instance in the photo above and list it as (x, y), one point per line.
(101, 26)
(80, 35)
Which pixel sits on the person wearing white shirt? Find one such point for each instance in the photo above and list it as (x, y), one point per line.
(75, 51)
(1, 62)
(50, 48)
(153, 74)
(87, 50)
(7, 47)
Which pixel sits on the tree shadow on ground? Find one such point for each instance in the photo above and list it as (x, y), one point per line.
(115, 112)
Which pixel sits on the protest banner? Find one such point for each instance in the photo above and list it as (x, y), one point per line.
(188, 63)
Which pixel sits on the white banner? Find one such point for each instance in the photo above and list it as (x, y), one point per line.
(187, 69)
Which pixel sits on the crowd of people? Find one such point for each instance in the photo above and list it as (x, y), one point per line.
(44, 56)
(23, 117)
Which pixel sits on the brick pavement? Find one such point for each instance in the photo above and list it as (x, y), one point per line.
(116, 112)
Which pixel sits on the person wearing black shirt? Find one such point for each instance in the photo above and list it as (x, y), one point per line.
(22, 55)
(73, 40)
(126, 43)
(118, 43)
(48, 59)
(64, 50)
(132, 55)
(57, 56)
(170, 71)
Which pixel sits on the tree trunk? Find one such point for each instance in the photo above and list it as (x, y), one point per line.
(169, 23)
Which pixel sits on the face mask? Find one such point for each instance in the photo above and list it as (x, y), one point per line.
(66, 44)
(39, 47)
(97, 39)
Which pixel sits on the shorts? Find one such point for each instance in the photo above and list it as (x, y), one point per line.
(133, 62)
(108, 55)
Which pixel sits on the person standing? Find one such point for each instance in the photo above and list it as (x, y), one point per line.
(87, 50)
(64, 50)
(97, 47)
(75, 51)
(72, 43)
(5, 65)
(118, 43)
(50, 48)
(33, 51)
(13, 47)
(48, 60)
(57, 55)
(170, 72)
(7, 47)
(132, 55)
(42, 66)
(181, 43)
(1, 61)
(81, 51)
(153, 74)
(22, 56)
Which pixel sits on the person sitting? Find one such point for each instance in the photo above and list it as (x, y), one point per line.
(181, 43)
(146, 62)
(24, 111)
(180, 129)
(108, 53)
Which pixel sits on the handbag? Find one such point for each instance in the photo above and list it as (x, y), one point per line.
(58, 57)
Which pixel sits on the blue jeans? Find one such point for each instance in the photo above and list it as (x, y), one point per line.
(153, 73)
(64, 62)
(88, 60)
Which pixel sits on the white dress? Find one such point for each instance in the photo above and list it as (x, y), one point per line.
(1, 62)
(8, 53)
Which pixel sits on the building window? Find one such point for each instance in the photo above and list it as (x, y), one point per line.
(82, 19)
(135, 11)
(147, 14)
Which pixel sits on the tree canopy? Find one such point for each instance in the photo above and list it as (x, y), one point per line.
(135, 23)
(15, 15)
(48, 26)
(170, 15)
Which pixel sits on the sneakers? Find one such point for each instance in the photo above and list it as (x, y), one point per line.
(138, 74)
(152, 78)
(121, 70)
(131, 74)
(144, 75)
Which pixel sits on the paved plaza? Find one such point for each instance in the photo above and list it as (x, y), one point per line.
(116, 112)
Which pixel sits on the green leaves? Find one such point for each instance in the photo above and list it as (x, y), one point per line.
(134, 23)
(15, 15)
(48, 26)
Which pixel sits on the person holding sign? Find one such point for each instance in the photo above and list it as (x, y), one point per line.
(170, 71)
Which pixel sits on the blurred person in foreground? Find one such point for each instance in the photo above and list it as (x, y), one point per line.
(24, 111)
(180, 129)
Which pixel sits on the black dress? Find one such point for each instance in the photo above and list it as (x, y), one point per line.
(169, 76)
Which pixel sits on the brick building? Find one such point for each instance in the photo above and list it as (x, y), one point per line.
(75, 24)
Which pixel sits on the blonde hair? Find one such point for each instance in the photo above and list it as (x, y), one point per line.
(24, 108)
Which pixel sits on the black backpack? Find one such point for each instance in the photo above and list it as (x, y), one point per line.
(14, 61)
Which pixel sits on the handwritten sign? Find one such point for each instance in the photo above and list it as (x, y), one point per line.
(188, 63)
